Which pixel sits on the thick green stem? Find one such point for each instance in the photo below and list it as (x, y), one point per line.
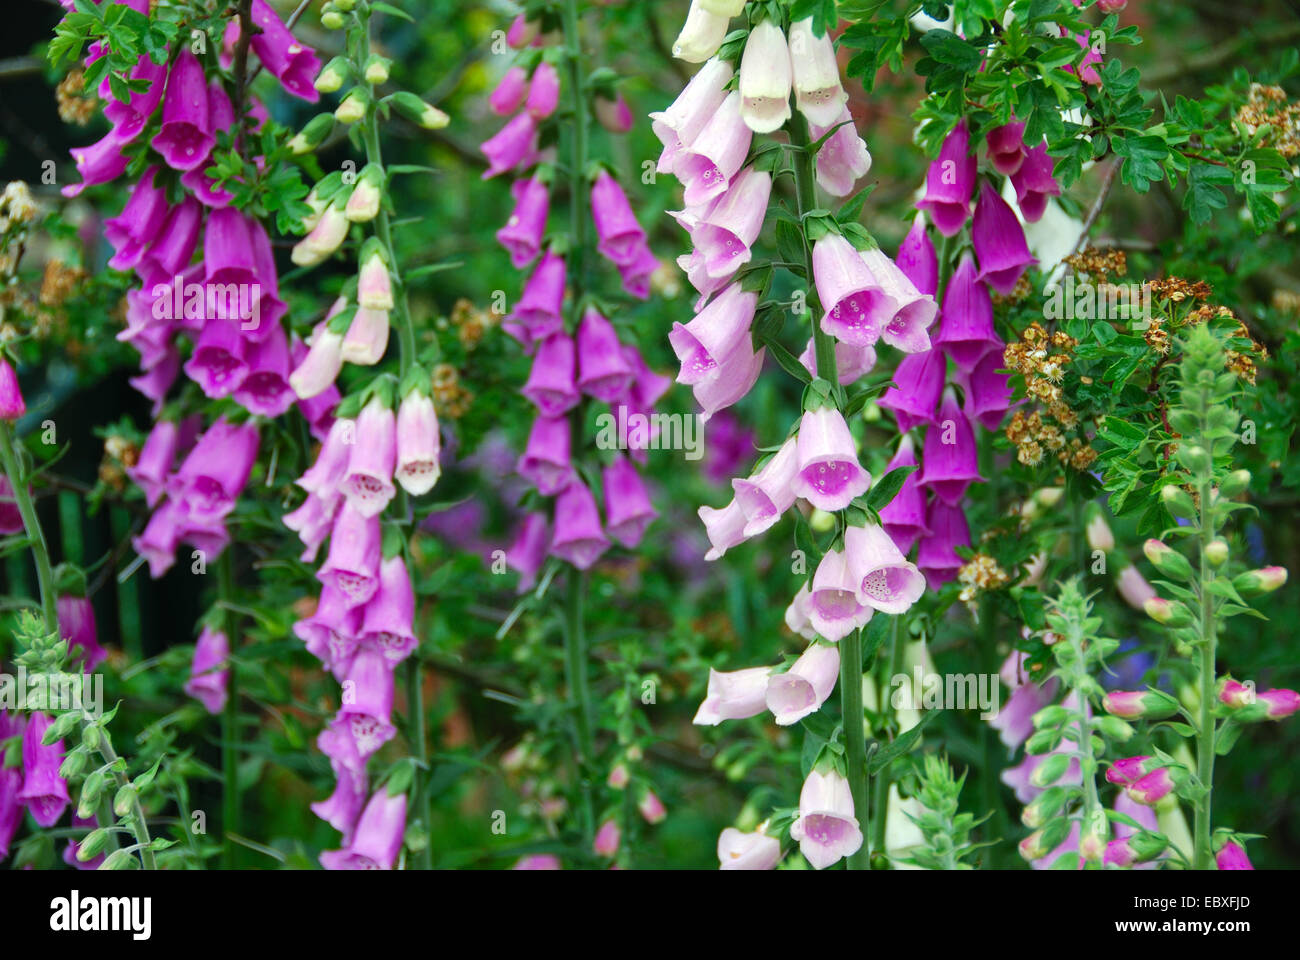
(1203, 857)
(805, 181)
(855, 739)
(420, 796)
(880, 786)
(575, 650)
(35, 535)
(230, 804)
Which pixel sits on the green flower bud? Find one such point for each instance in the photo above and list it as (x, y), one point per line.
(1118, 730)
(1178, 502)
(1170, 614)
(1195, 458)
(72, 764)
(1264, 580)
(377, 69)
(1050, 716)
(313, 135)
(1216, 552)
(418, 112)
(1167, 560)
(333, 76)
(60, 728)
(119, 860)
(124, 800)
(90, 736)
(1042, 842)
(92, 844)
(353, 107)
(1043, 807)
(1050, 770)
(1235, 483)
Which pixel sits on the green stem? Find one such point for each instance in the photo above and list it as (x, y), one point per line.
(805, 180)
(139, 826)
(1203, 856)
(230, 717)
(855, 739)
(575, 649)
(35, 535)
(578, 149)
(420, 795)
(880, 786)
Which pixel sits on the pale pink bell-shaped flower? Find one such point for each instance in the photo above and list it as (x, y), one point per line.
(833, 607)
(368, 482)
(843, 159)
(856, 308)
(679, 125)
(818, 92)
(851, 362)
(829, 475)
(747, 851)
(733, 695)
(803, 688)
(826, 828)
(708, 165)
(885, 580)
(799, 612)
(908, 329)
(701, 35)
(725, 528)
(726, 235)
(766, 495)
(418, 444)
(714, 335)
(765, 79)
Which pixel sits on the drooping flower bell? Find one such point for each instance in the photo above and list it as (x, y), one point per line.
(765, 78)
(419, 444)
(818, 93)
(1232, 856)
(77, 626)
(538, 313)
(522, 235)
(551, 383)
(951, 458)
(12, 404)
(917, 258)
(725, 528)
(352, 567)
(803, 688)
(914, 313)
(546, 460)
(512, 147)
(747, 851)
(920, 380)
(851, 362)
(1034, 183)
(285, 58)
(185, 138)
(679, 125)
(510, 91)
(707, 166)
(619, 237)
(885, 580)
(904, 516)
(833, 607)
(578, 537)
(733, 695)
(388, 625)
(131, 232)
(725, 236)
(603, 371)
(856, 307)
(701, 35)
(766, 495)
(214, 474)
(988, 392)
(966, 332)
(950, 182)
(715, 334)
(368, 482)
(999, 242)
(44, 792)
(826, 828)
(628, 510)
(843, 159)
(377, 840)
(154, 463)
(936, 556)
(210, 670)
(1006, 147)
(543, 91)
(829, 474)
(528, 551)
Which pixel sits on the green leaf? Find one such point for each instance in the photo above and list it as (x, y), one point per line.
(884, 490)
(904, 744)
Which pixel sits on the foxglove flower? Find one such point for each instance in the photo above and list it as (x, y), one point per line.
(950, 182)
(1006, 147)
(345, 804)
(368, 482)
(326, 236)
(512, 147)
(628, 510)
(724, 527)
(154, 464)
(377, 840)
(130, 118)
(733, 695)
(333, 632)
(1034, 183)
(207, 683)
(619, 236)
(510, 92)
(885, 580)
(707, 166)
(12, 404)
(851, 362)
(388, 624)
(843, 159)
(817, 90)
(101, 162)
(914, 311)
(966, 333)
(578, 537)
(545, 462)
(936, 555)
(543, 91)
(917, 258)
(1232, 856)
(988, 392)
(523, 232)
(539, 311)
(765, 79)
(829, 475)
(679, 125)
(265, 390)
(919, 379)
(293, 64)
(725, 236)
(216, 470)
(217, 364)
(803, 688)
(352, 567)
(551, 381)
(603, 371)
(904, 516)
(826, 828)
(701, 35)
(951, 457)
(607, 840)
(833, 607)
(77, 626)
(367, 705)
(651, 808)
(419, 444)
(613, 113)
(185, 138)
(716, 334)
(747, 851)
(856, 308)
(766, 495)
(132, 231)
(44, 792)
(528, 551)
(999, 242)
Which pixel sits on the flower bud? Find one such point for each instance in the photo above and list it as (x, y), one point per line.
(1043, 841)
(1150, 704)
(1050, 716)
(120, 859)
(1232, 856)
(72, 764)
(374, 284)
(1044, 807)
(1156, 785)
(1098, 531)
(1216, 552)
(1178, 502)
(1234, 694)
(1137, 848)
(1050, 770)
(1280, 703)
(333, 76)
(1121, 731)
(1167, 560)
(1092, 837)
(92, 844)
(353, 107)
(1130, 769)
(313, 135)
(1264, 580)
(1234, 483)
(1170, 614)
(418, 112)
(363, 204)
(90, 736)
(12, 405)
(1195, 458)
(124, 800)
(377, 69)
(618, 777)
(332, 20)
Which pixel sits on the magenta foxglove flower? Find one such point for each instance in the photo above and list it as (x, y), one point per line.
(545, 461)
(12, 404)
(1130, 770)
(217, 364)
(367, 705)
(221, 116)
(11, 521)
(1280, 703)
(1232, 856)
(818, 92)
(856, 308)
(733, 695)
(324, 476)
(207, 683)
(44, 792)
(844, 158)
(914, 313)
(803, 688)
(129, 119)
(185, 139)
(826, 828)
(724, 527)
(966, 333)
(313, 522)
(173, 245)
(715, 335)
(419, 444)
(917, 258)
(607, 839)
(1034, 183)
(293, 64)
(368, 482)
(510, 92)
(768, 493)
(388, 624)
(211, 478)
(1006, 147)
(851, 362)
(725, 236)
(539, 311)
(522, 235)
(77, 626)
(333, 632)
(679, 125)
(551, 381)
(528, 551)
(628, 510)
(833, 607)
(377, 840)
(885, 580)
(537, 861)
(151, 470)
(101, 162)
(950, 182)
(747, 851)
(578, 537)
(157, 542)
(999, 241)
(765, 78)
(636, 275)
(988, 392)
(651, 808)
(920, 380)
(951, 458)
(342, 808)
(707, 166)
(543, 91)
(1154, 787)
(11, 782)
(265, 390)
(512, 147)
(619, 235)
(936, 555)
(132, 231)
(523, 33)
(352, 567)
(829, 475)
(904, 516)
(603, 371)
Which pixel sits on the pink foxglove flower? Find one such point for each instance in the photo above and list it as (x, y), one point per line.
(733, 695)
(725, 528)
(628, 510)
(1232, 856)
(988, 392)
(154, 464)
(512, 147)
(352, 567)
(951, 458)
(826, 828)
(966, 333)
(851, 362)
(920, 379)
(551, 383)
(522, 235)
(904, 516)
(803, 688)
(701, 35)
(603, 371)
(545, 461)
(289, 61)
(818, 93)
(1034, 183)
(716, 334)
(44, 792)
(914, 313)
(377, 840)
(936, 556)
(765, 79)
(132, 231)
(856, 307)
(607, 839)
(367, 706)
(388, 622)
(368, 482)
(77, 626)
(679, 125)
(747, 851)
(999, 241)
(12, 404)
(510, 92)
(528, 551)
(619, 236)
(833, 607)
(885, 580)
(950, 182)
(829, 475)
(844, 158)
(186, 136)
(707, 166)
(1006, 147)
(419, 445)
(766, 495)
(578, 537)
(543, 91)
(210, 670)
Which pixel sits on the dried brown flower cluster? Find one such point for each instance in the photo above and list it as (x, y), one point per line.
(1041, 358)
(1019, 292)
(58, 283)
(470, 323)
(451, 400)
(1176, 289)
(119, 454)
(979, 573)
(75, 105)
(1269, 107)
(1100, 264)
